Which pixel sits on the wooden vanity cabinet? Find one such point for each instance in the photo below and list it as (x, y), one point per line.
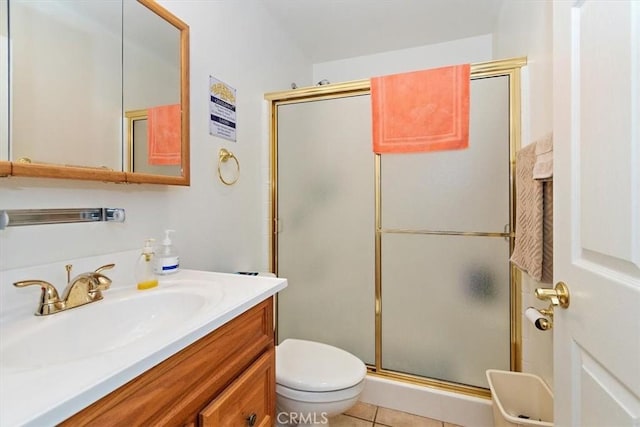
(227, 378)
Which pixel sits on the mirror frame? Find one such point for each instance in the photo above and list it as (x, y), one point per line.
(17, 168)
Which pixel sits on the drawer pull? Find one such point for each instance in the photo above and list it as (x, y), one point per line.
(251, 419)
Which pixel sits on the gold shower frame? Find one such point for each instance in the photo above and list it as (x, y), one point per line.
(508, 67)
(131, 118)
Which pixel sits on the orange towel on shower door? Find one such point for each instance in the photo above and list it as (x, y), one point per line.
(421, 111)
(164, 134)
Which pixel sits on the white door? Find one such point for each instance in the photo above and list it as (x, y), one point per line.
(597, 211)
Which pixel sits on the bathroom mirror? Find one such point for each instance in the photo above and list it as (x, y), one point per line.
(70, 94)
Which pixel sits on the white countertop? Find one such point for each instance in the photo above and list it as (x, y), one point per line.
(44, 392)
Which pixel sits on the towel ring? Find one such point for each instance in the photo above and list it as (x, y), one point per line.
(223, 156)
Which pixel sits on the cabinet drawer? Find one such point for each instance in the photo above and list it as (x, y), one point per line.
(248, 401)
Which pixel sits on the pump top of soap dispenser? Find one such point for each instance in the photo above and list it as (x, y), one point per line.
(147, 250)
(167, 238)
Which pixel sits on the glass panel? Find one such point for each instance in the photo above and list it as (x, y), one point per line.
(66, 77)
(464, 190)
(326, 217)
(151, 52)
(445, 306)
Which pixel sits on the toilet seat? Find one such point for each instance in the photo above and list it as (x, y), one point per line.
(307, 368)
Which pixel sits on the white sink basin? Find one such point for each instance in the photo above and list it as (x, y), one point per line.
(120, 319)
(53, 366)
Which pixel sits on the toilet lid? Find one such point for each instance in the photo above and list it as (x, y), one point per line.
(312, 366)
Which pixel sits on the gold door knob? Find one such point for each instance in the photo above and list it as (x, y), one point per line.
(559, 296)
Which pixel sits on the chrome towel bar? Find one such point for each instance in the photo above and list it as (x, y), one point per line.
(18, 217)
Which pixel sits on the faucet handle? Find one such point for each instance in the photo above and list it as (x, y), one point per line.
(104, 267)
(102, 281)
(48, 298)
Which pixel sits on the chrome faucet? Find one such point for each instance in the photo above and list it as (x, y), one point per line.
(83, 289)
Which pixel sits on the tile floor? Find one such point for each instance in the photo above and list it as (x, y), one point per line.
(366, 415)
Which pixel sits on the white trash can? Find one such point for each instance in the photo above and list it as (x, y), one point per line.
(520, 399)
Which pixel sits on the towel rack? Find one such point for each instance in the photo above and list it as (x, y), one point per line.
(223, 157)
(18, 217)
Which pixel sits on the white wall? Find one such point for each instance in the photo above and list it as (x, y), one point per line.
(525, 29)
(473, 49)
(218, 227)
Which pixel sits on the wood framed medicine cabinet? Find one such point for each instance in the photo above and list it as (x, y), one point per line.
(145, 17)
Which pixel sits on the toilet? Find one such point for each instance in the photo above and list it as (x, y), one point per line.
(314, 382)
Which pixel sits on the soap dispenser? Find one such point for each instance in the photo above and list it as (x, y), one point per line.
(167, 260)
(145, 276)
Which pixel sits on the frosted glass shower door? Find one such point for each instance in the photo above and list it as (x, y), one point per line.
(326, 223)
(445, 257)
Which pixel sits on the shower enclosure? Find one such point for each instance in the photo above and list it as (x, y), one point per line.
(400, 259)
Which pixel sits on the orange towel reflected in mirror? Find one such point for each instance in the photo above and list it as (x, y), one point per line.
(164, 135)
(421, 111)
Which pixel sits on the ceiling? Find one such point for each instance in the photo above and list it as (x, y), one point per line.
(327, 30)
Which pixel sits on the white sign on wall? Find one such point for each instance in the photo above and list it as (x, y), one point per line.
(222, 109)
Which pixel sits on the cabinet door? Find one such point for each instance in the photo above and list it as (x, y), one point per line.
(248, 401)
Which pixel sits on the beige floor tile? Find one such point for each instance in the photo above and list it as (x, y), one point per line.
(392, 418)
(362, 410)
(347, 421)
(451, 425)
